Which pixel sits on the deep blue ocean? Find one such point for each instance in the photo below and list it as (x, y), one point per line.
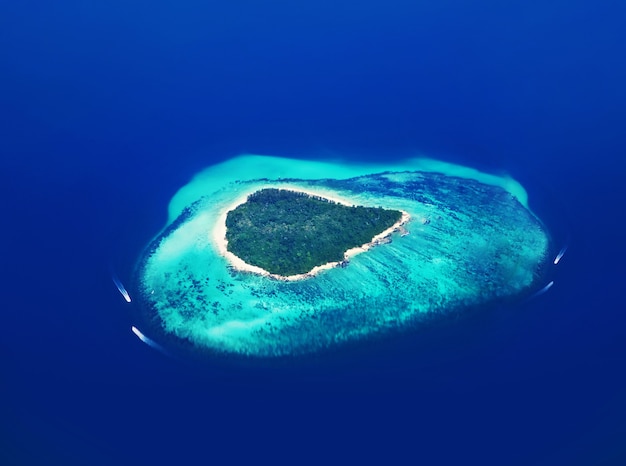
(108, 107)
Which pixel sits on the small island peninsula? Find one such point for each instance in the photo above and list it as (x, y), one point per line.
(287, 233)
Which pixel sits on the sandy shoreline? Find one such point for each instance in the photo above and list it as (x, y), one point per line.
(218, 236)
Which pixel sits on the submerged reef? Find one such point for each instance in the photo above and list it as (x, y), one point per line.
(470, 239)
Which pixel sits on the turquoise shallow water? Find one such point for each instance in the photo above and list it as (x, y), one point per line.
(472, 240)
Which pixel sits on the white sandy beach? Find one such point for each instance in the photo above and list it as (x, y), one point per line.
(218, 236)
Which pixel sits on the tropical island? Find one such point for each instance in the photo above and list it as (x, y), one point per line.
(474, 243)
(288, 233)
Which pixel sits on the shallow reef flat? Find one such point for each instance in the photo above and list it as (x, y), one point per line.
(471, 240)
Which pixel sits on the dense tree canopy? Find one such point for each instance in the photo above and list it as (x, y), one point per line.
(288, 232)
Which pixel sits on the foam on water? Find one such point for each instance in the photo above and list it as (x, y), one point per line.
(472, 240)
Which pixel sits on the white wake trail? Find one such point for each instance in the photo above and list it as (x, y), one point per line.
(120, 288)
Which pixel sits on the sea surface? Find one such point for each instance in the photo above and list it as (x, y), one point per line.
(108, 108)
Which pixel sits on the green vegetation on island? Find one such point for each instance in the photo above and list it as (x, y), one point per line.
(288, 232)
